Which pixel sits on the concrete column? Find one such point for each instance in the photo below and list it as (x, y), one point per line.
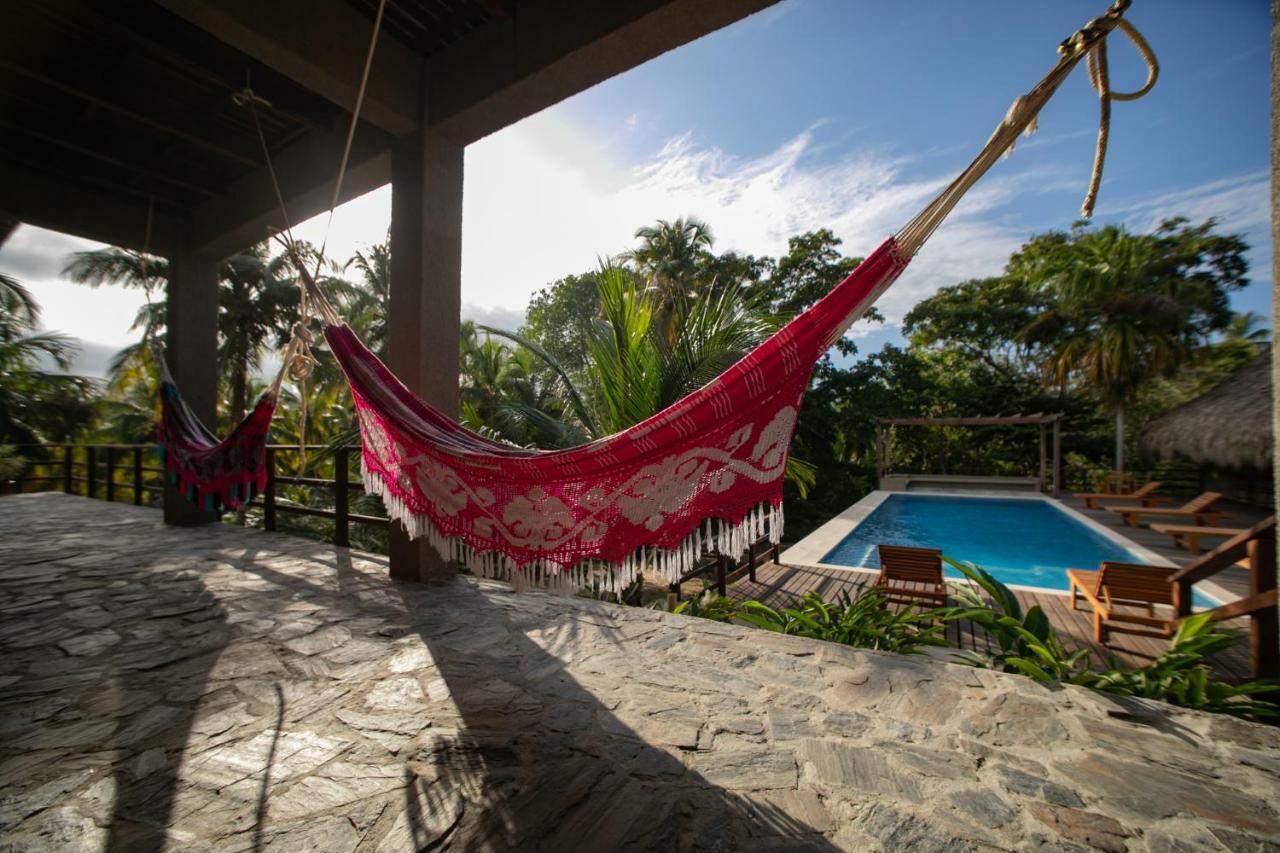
(426, 297)
(1275, 229)
(192, 353)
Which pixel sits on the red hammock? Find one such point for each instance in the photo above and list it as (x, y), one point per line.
(704, 474)
(214, 475)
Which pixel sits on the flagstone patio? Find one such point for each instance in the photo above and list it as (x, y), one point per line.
(218, 688)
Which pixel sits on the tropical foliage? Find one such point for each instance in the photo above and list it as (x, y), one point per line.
(863, 622)
(1029, 645)
(1026, 643)
(39, 403)
(1093, 322)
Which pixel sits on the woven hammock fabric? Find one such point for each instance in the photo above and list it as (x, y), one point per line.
(704, 474)
(214, 475)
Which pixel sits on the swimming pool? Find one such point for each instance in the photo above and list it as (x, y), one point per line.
(1022, 542)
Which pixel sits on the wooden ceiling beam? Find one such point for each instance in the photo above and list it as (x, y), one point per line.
(248, 211)
(109, 215)
(322, 48)
(244, 158)
(136, 168)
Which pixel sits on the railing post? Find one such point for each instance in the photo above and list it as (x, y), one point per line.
(269, 494)
(66, 470)
(341, 521)
(1182, 599)
(91, 471)
(722, 569)
(137, 476)
(751, 561)
(1264, 625)
(111, 473)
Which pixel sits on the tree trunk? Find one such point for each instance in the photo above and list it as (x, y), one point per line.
(239, 387)
(1120, 439)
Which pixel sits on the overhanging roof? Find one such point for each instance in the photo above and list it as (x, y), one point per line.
(116, 114)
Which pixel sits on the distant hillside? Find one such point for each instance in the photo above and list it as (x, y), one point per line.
(91, 359)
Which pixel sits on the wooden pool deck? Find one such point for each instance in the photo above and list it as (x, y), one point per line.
(778, 585)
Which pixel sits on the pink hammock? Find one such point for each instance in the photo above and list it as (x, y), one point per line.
(703, 475)
(213, 474)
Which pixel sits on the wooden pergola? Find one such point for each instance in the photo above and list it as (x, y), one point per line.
(1043, 421)
(121, 123)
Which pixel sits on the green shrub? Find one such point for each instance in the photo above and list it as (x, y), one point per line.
(1029, 645)
(863, 623)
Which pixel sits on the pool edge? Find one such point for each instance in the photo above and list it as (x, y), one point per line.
(809, 551)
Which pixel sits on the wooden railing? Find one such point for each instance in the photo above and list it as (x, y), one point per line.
(91, 469)
(341, 485)
(113, 471)
(1255, 550)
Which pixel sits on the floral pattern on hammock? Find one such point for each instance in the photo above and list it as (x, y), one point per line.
(703, 475)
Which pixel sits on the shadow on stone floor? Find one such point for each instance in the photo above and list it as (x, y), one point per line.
(536, 760)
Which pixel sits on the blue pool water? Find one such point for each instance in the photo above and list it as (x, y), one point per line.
(1021, 542)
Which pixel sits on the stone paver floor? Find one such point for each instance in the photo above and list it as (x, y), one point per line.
(216, 688)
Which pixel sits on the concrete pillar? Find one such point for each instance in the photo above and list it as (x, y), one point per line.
(426, 297)
(192, 353)
(1275, 229)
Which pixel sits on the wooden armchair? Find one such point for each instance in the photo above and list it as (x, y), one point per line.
(1115, 590)
(911, 575)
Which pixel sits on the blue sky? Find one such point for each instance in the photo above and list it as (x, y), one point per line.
(842, 114)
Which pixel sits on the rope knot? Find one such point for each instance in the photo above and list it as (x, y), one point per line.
(246, 97)
(1090, 41)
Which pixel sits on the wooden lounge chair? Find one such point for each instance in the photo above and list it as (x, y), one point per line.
(1196, 509)
(1146, 495)
(1189, 535)
(1115, 590)
(911, 575)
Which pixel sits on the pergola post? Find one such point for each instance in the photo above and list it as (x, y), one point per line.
(1057, 457)
(1044, 462)
(191, 326)
(426, 297)
(879, 453)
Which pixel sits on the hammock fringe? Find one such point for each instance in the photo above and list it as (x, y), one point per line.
(714, 535)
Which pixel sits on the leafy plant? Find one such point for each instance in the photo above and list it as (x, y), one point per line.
(1180, 677)
(1030, 646)
(864, 622)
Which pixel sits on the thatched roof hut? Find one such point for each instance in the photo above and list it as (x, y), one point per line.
(1228, 426)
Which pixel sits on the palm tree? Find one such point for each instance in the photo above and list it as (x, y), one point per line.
(256, 298)
(37, 405)
(670, 254)
(365, 308)
(258, 303)
(670, 259)
(635, 369)
(1122, 317)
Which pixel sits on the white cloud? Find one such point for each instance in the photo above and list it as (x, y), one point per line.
(1240, 203)
(543, 200)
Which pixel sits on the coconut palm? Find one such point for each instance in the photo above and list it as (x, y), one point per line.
(1122, 316)
(257, 303)
(36, 404)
